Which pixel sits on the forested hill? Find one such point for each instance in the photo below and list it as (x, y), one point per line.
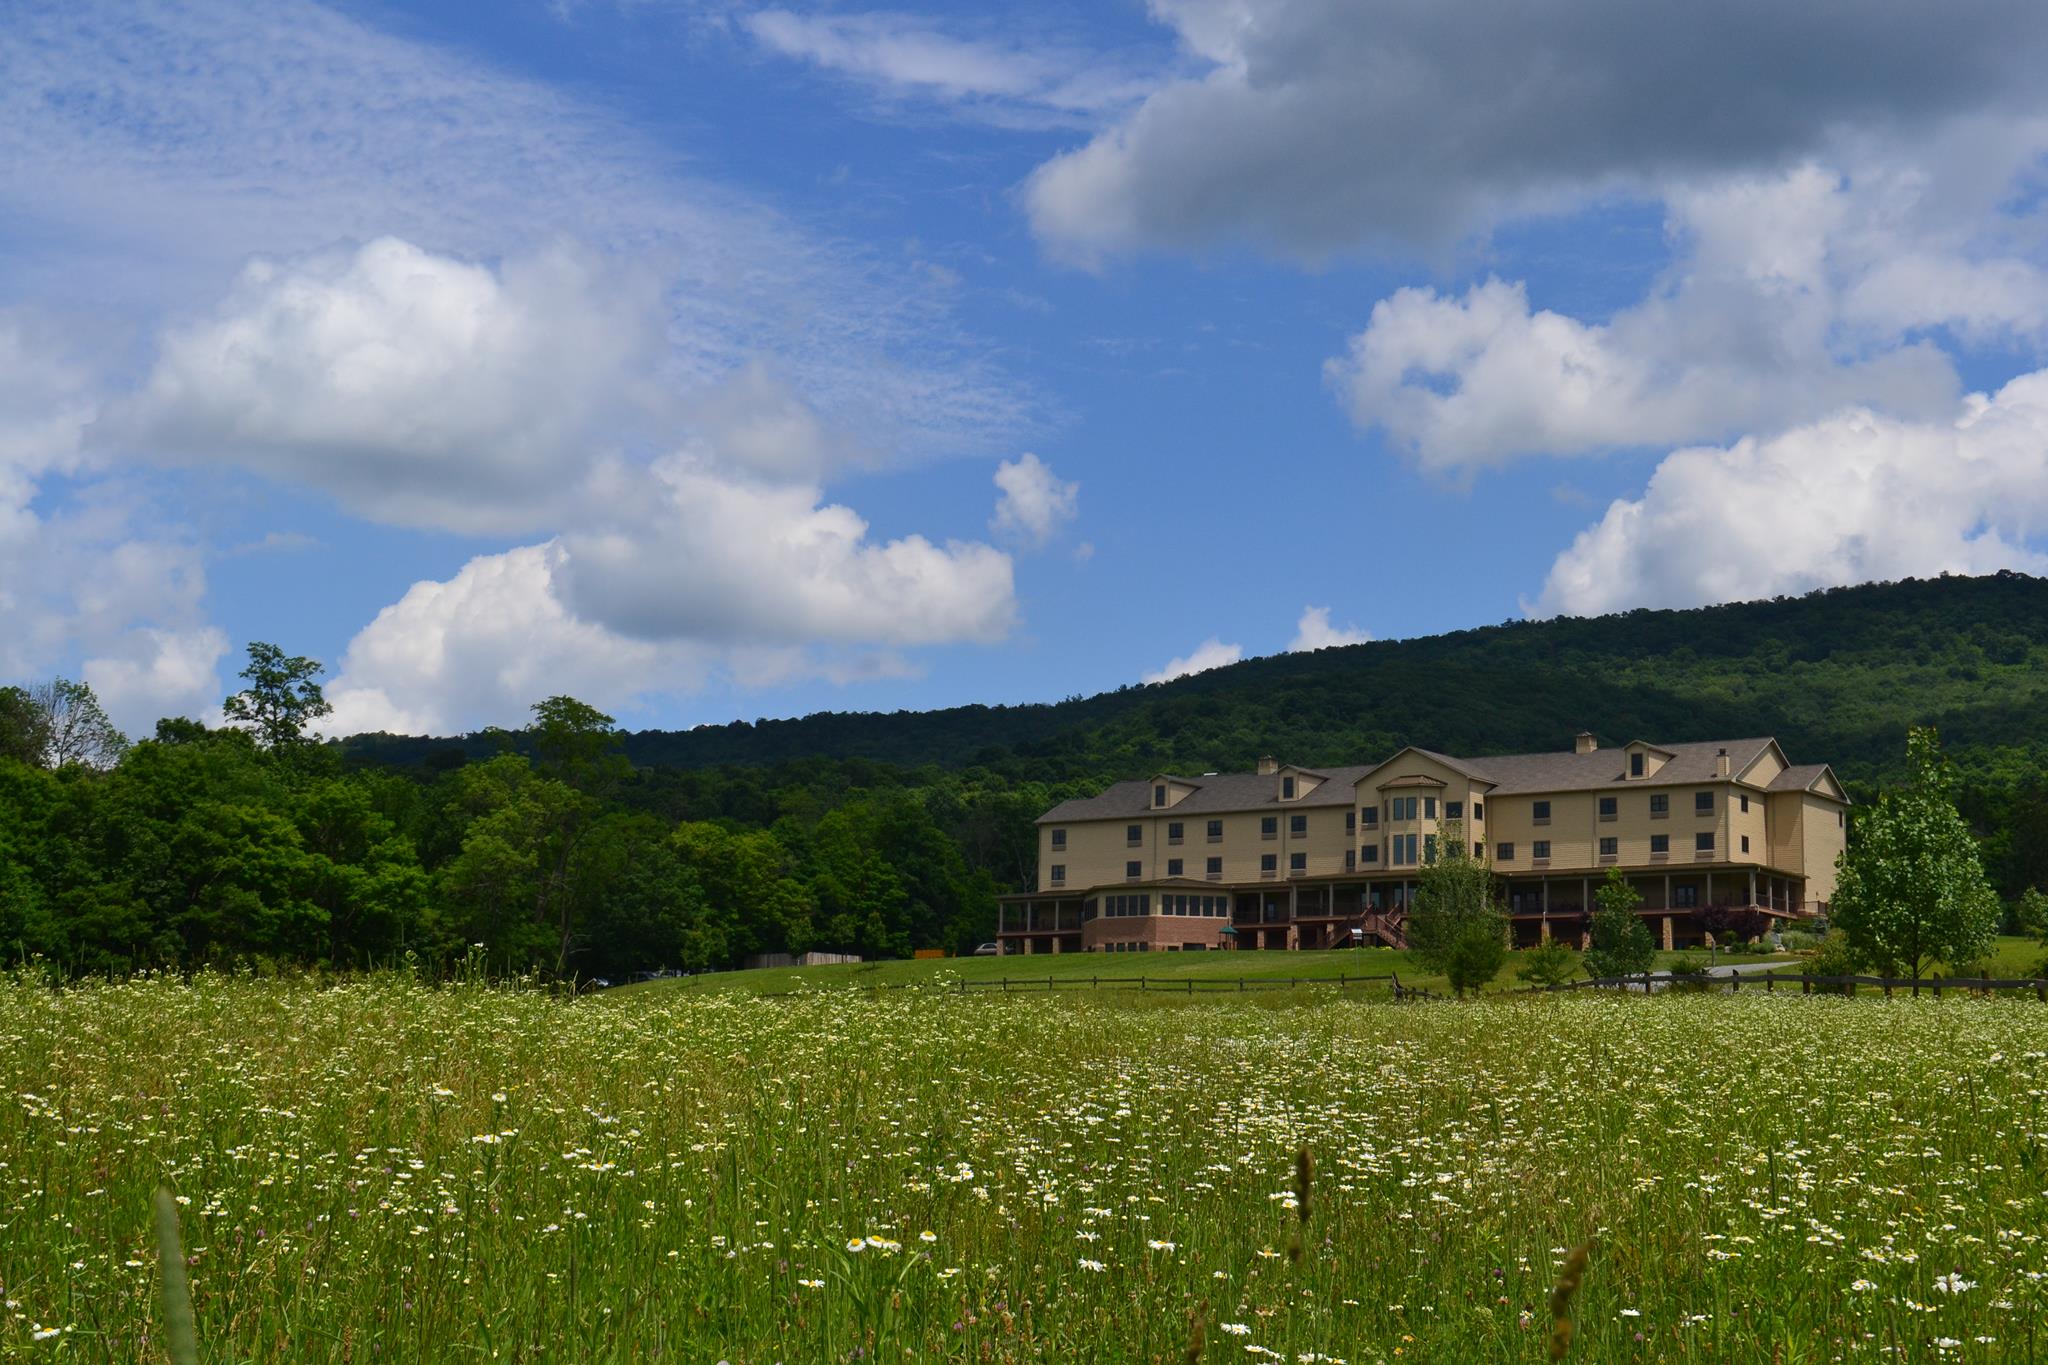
(1835, 675)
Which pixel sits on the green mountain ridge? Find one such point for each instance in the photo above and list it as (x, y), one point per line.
(1836, 675)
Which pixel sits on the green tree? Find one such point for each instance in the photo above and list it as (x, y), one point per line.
(281, 700)
(56, 724)
(577, 744)
(1621, 945)
(1910, 890)
(1456, 926)
(24, 730)
(1549, 963)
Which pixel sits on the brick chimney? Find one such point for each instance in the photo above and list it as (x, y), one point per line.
(1721, 763)
(1585, 743)
(1268, 765)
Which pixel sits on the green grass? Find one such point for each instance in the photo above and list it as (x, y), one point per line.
(378, 1171)
(1072, 969)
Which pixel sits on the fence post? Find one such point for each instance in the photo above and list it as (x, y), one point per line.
(1141, 983)
(1805, 984)
(1770, 983)
(1191, 985)
(2041, 991)
(1735, 975)
(1006, 985)
(1240, 983)
(1937, 988)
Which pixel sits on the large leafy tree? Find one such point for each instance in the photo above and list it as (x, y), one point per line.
(56, 724)
(1621, 942)
(282, 699)
(1457, 926)
(1910, 890)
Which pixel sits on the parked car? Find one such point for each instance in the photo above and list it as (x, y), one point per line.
(989, 950)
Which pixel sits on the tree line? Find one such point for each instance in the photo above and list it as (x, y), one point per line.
(254, 842)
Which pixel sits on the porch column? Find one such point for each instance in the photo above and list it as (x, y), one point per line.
(1543, 930)
(1667, 933)
(1752, 886)
(1585, 895)
(1667, 890)
(1055, 942)
(1545, 885)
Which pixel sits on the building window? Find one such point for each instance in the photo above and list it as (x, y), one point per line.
(1635, 765)
(1297, 825)
(1454, 810)
(1269, 862)
(1542, 812)
(1173, 831)
(1059, 873)
(1368, 816)
(1428, 848)
(1369, 854)
(1841, 819)
(1059, 839)
(1660, 843)
(1297, 862)
(1703, 803)
(1504, 853)
(1173, 867)
(1609, 807)
(1159, 796)
(1744, 799)
(1429, 808)
(1215, 830)
(1269, 826)
(1478, 849)
(1350, 821)
(1610, 847)
(1703, 843)
(1404, 850)
(1684, 897)
(1215, 867)
(1540, 850)
(1745, 843)
(1350, 859)
(1478, 810)
(1134, 835)
(1660, 805)
(1286, 789)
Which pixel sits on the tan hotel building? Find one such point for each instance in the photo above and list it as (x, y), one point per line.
(1289, 857)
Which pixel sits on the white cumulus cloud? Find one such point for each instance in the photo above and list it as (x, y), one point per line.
(1854, 497)
(1033, 502)
(1211, 653)
(1314, 631)
(417, 388)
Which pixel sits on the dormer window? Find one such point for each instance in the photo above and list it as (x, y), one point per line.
(1635, 764)
(1286, 789)
(1159, 794)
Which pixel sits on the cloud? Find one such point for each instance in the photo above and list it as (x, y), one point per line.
(1855, 497)
(416, 388)
(686, 550)
(1034, 502)
(1314, 631)
(1747, 330)
(1321, 126)
(160, 673)
(483, 646)
(900, 56)
(1211, 653)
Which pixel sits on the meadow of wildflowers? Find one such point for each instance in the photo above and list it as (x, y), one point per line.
(378, 1171)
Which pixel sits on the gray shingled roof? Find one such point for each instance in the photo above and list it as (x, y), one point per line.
(1212, 796)
(1510, 774)
(1569, 771)
(1798, 777)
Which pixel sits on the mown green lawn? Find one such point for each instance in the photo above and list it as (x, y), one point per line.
(1165, 969)
(376, 1170)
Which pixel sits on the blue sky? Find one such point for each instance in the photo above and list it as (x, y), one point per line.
(708, 359)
